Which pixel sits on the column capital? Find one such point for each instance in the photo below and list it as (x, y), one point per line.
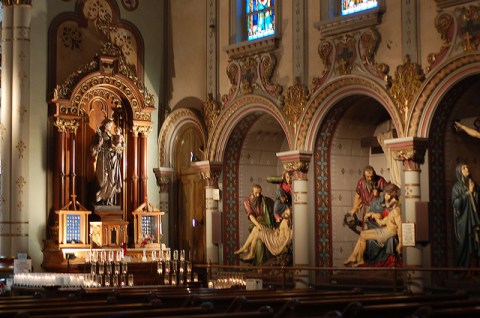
(209, 170)
(67, 124)
(141, 128)
(295, 160)
(164, 177)
(410, 149)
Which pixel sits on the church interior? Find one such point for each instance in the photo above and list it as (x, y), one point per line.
(234, 147)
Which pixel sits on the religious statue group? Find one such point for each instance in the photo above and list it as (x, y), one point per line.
(376, 217)
(376, 210)
(270, 223)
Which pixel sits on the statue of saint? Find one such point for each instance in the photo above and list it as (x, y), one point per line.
(466, 204)
(108, 148)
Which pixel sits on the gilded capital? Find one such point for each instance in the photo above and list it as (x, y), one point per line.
(301, 166)
(408, 149)
(67, 125)
(141, 129)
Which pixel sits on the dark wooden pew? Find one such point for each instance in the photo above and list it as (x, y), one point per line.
(105, 310)
(405, 309)
(319, 307)
(462, 311)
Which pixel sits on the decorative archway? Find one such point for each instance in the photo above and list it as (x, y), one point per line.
(435, 89)
(325, 98)
(176, 120)
(234, 114)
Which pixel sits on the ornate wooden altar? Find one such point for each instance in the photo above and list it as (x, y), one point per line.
(102, 89)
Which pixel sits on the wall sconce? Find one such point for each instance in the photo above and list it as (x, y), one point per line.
(196, 222)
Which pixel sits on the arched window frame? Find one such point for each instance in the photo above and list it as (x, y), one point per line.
(333, 23)
(239, 45)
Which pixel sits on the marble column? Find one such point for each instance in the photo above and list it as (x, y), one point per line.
(298, 163)
(411, 151)
(6, 129)
(15, 118)
(210, 172)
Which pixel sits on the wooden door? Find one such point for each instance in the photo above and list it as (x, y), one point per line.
(190, 198)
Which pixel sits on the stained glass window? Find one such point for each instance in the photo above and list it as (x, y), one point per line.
(353, 6)
(260, 18)
(73, 228)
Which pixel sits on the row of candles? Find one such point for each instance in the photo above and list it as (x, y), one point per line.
(106, 267)
(119, 255)
(36, 280)
(225, 280)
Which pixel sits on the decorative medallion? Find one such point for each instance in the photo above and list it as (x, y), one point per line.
(252, 75)
(345, 54)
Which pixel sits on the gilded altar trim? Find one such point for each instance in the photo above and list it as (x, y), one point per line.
(141, 129)
(106, 76)
(66, 125)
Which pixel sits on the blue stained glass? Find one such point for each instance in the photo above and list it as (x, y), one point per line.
(73, 228)
(354, 6)
(260, 18)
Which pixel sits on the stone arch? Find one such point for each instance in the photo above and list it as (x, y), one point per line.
(173, 124)
(234, 114)
(326, 97)
(435, 89)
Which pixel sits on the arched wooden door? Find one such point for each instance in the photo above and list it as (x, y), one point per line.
(190, 194)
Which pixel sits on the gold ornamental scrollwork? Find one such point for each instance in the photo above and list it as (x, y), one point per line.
(295, 103)
(211, 110)
(407, 80)
(301, 166)
(141, 130)
(409, 155)
(67, 125)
